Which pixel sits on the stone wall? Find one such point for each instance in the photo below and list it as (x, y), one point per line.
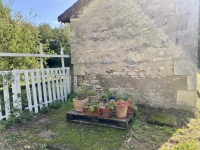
(146, 48)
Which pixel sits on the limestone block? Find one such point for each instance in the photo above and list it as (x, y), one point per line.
(161, 53)
(79, 69)
(132, 73)
(186, 98)
(192, 82)
(116, 73)
(184, 67)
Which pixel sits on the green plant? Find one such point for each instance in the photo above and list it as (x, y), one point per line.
(110, 94)
(92, 93)
(2, 126)
(44, 147)
(44, 110)
(91, 106)
(11, 137)
(111, 104)
(104, 96)
(55, 105)
(10, 122)
(71, 97)
(24, 116)
(137, 124)
(81, 92)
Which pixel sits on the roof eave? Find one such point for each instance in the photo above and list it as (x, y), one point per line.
(65, 17)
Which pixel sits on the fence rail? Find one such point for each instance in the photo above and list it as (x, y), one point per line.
(42, 86)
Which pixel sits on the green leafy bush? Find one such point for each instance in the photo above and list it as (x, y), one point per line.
(44, 110)
(71, 97)
(24, 116)
(55, 105)
(2, 126)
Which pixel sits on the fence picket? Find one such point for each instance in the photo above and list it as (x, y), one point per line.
(57, 85)
(44, 88)
(1, 117)
(49, 87)
(61, 85)
(34, 92)
(14, 91)
(65, 86)
(30, 107)
(6, 97)
(18, 86)
(39, 89)
(53, 84)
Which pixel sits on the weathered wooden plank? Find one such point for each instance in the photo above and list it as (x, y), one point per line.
(6, 96)
(57, 84)
(18, 86)
(39, 88)
(14, 91)
(1, 117)
(28, 90)
(44, 88)
(49, 87)
(64, 86)
(32, 55)
(61, 85)
(99, 124)
(34, 92)
(113, 121)
(53, 84)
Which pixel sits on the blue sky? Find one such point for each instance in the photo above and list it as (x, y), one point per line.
(47, 10)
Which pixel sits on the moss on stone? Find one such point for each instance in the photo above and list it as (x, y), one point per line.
(162, 118)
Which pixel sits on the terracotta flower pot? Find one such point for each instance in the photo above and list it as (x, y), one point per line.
(129, 110)
(79, 104)
(105, 113)
(121, 111)
(94, 113)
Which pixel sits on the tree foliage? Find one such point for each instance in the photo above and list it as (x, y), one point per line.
(56, 38)
(17, 35)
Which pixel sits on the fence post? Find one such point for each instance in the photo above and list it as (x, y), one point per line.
(64, 75)
(41, 58)
(62, 58)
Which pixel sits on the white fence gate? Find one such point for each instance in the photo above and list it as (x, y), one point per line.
(41, 86)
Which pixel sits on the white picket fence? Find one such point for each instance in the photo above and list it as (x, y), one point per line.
(42, 86)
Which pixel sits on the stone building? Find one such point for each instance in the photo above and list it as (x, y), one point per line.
(146, 48)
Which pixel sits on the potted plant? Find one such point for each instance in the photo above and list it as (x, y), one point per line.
(80, 99)
(92, 95)
(111, 94)
(106, 110)
(92, 109)
(121, 107)
(132, 108)
(104, 98)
